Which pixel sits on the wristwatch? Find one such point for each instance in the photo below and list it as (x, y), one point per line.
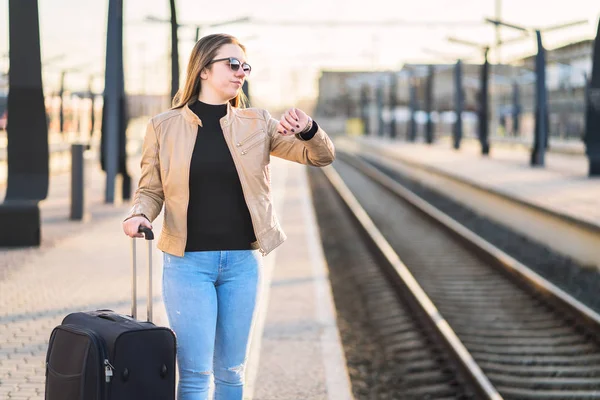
(308, 125)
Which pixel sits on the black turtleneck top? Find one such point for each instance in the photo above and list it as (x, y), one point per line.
(218, 217)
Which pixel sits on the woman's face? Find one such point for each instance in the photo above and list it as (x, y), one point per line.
(220, 81)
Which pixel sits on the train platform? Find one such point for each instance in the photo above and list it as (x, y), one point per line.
(555, 204)
(295, 353)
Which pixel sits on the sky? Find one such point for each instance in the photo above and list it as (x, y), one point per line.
(287, 53)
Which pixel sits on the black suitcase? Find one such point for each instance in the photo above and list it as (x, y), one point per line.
(102, 355)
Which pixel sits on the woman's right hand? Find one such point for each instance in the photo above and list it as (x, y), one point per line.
(131, 226)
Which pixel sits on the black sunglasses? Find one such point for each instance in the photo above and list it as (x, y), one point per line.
(234, 64)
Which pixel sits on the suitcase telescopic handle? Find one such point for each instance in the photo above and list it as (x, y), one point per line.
(149, 236)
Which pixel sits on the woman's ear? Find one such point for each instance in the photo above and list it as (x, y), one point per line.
(204, 74)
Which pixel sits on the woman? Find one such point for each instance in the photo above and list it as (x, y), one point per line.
(207, 161)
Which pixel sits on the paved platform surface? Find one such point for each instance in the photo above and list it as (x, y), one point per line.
(561, 187)
(295, 350)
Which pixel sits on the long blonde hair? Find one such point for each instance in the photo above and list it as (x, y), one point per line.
(203, 52)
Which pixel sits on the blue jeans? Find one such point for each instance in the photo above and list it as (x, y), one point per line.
(210, 298)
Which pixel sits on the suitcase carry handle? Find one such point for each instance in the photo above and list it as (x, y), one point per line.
(149, 236)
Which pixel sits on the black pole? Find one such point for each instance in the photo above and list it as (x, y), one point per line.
(364, 108)
(246, 90)
(484, 105)
(92, 106)
(112, 112)
(393, 104)
(429, 106)
(174, 51)
(347, 102)
(592, 121)
(61, 109)
(77, 182)
(541, 105)
(27, 130)
(197, 33)
(458, 104)
(516, 109)
(379, 105)
(412, 102)
(123, 122)
(588, 83)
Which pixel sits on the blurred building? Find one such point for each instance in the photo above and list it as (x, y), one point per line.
(568, 72)
(341, 93)
(567, 66)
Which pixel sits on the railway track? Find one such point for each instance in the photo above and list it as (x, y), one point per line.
(391, 350)
(512, 334)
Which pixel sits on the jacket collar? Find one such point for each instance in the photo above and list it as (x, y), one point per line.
(192, 118)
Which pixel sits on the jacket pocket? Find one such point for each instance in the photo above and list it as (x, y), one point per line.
(251, 145)
(248, 138)
(251, 141)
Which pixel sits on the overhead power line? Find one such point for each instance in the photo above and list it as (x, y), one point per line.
(360, 23)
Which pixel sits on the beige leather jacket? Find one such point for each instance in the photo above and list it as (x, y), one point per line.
(251, 137)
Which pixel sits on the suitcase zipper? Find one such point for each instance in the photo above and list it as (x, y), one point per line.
(108, 370)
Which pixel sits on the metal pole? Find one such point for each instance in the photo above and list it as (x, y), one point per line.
(484, 105)
(364, 104)
(592, 121)
(174, 51)
(458, 104)
(347, 102)
(379, 103)
(246, 90)
(123, 121)
(429, 106)
(92, 106)
(114, 68)
(587, 83)
(61, 112)
(393, 104)
(77, 182)
(541, 109)
(516, 109)
(412, 100)
(27, 130)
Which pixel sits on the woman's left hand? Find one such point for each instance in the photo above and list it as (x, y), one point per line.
(292, 121)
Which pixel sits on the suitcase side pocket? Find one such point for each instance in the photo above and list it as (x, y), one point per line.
(74, 365)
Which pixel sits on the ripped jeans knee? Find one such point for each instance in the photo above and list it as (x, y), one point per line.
(194, 373)
(233, 376)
